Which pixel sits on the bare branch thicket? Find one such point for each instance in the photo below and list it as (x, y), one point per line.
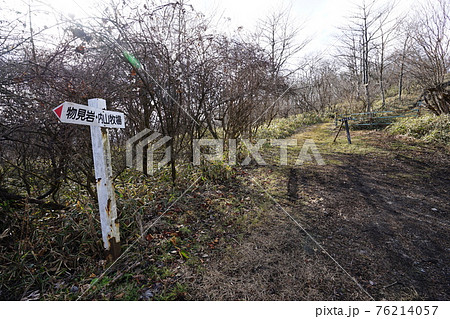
(36, 149)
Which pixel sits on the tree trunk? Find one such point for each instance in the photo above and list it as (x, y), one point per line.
(383, 95)
(402, 69)
(366, 66)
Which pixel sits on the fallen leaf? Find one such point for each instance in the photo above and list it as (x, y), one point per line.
(119, 296)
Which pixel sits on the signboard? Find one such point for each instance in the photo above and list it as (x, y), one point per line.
(73, 113)
(99, 119)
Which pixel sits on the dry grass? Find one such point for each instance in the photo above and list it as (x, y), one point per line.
(274, 259)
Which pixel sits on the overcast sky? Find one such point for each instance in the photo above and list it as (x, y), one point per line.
(319, 17)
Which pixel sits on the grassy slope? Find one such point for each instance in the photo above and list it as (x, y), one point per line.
(428, 128)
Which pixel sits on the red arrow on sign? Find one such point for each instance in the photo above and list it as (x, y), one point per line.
(58, 110)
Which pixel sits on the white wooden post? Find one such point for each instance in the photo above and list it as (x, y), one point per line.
(105, 189)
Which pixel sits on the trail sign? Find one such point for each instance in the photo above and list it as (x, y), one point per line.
(99, 119)
(73, 113)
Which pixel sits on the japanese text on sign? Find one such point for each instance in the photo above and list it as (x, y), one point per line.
(80, 114)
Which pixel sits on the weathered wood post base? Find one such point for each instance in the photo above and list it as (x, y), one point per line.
(114, 250)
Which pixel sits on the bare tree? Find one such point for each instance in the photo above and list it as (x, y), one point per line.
(402, 55)
(430, 33)
(359, 41)
(388, 27)
(429, 61)
(279, 35)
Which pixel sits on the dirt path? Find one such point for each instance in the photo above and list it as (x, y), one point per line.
(379, 207)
